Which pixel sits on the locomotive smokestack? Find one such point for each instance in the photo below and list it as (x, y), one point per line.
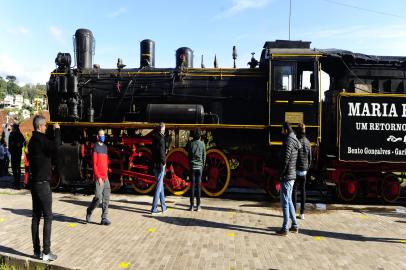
(83, 43)
(147, 57)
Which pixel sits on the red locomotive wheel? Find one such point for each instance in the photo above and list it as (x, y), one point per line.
(347, 187)
(390, 188)
(178, 158)
(115, 168)
(145, 159)
(216, 176)
(55, 180)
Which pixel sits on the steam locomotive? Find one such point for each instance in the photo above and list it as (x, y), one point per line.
(356, 128)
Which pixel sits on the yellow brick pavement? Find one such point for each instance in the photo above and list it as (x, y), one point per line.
(227, 234)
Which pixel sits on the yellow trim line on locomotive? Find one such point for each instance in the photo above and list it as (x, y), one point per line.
(256, 74)
(294, 125)
(303, 102)
(146, 125)
(280, 143)
(371, 95)
(296, 55)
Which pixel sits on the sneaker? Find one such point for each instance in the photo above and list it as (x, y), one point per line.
(294, 230)
(191, 208)
(198, 209)
(105, 221)
(88, 217)
(38, 255)
(301, 216)
(154, 213)
(282, 232)
(49, 257)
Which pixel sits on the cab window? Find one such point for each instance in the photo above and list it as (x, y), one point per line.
(292, 75)
(283, 77)
(305, 71)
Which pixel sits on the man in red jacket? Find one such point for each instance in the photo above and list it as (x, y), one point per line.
(102, 191)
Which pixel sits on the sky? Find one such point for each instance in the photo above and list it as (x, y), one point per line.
(33, 32)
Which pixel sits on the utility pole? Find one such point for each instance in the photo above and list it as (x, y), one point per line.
(290, 14)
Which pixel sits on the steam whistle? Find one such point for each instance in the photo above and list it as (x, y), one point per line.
(201, 63)
(234, 55)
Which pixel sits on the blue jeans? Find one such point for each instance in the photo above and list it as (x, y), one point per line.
(159, 190)
(287, 205)
(196, 183)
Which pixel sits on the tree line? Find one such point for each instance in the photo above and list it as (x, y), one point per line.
(9, 86)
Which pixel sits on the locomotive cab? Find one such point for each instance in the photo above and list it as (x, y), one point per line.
(294, 92)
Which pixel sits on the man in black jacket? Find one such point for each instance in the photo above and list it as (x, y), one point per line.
(304, 161)
(287, 173)
(159, 164)
(16, 142)
(40, 152)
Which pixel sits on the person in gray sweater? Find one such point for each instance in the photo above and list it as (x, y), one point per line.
(197, 159)
(304, 161)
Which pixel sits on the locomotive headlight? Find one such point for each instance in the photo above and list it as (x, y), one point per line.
(63, 60)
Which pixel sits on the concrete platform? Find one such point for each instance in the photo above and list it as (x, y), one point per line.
(226, 234)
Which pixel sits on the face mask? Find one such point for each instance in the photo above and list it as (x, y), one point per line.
(101, 138)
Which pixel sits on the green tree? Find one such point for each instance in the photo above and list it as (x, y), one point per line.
(12, 86)
(3, 88)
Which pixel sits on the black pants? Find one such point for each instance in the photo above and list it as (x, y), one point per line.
(5, 168)
(196, 184)
(16, 167)
(301, 182)
(41, 206)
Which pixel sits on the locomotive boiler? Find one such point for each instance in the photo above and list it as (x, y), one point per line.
(240, 110)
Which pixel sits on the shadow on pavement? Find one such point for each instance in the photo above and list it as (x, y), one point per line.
(56, 216)
(15, 252)
(225, 209)
(348, 236)
(111, 206)
(192, 222)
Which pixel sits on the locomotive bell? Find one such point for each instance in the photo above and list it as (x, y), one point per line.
(63, 60)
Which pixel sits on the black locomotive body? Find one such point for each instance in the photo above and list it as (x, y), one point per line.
(241, 111)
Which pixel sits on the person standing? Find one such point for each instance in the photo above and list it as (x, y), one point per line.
(287, 173)
(40, 152)
(7, 157)
(159, 164)
(2, 157)
(100, 172)
(16, 143)
(304, 161)
(197, 159)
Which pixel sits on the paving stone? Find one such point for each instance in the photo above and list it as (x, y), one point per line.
(227, 234)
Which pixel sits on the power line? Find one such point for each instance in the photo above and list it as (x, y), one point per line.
(365, 9)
